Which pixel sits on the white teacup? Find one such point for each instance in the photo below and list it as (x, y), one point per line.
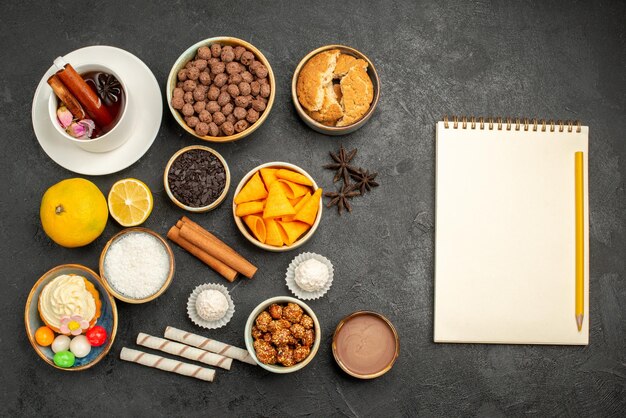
(117, 136)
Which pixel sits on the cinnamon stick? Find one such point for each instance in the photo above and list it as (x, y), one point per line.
(221, 268)
(85, 96)
(66, 97)
(212, 245)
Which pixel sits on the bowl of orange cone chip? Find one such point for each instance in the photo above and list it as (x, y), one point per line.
(277, 206)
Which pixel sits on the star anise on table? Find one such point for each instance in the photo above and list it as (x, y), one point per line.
(342, 164)
(340, 198)
(364, 181)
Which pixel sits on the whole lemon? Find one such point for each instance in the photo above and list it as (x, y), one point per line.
(73, 212)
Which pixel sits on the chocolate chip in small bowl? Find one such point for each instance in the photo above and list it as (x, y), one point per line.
(196, 178)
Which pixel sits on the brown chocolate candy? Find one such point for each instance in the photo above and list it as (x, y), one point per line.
(193, 73)
(204, 52)
(199, 106)
(178, 103)
(241, 125)
(202, 129)
(219, 118)
(220, 80)
(187, 109)
(213, 93)
(216, 50)
(227, 128)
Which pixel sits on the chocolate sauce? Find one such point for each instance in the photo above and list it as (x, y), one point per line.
(365, 344)
(112, 94)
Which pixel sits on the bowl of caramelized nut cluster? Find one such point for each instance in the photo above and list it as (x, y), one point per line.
(282, 334)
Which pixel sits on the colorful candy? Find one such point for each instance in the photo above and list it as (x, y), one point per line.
(79, 346)
(64, 359)
(44, 336)
(61, 343)
(96, 336)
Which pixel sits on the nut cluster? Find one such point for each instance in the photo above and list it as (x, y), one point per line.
(283, 335)
(222, 91)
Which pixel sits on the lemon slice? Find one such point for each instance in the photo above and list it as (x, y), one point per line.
(130, 202)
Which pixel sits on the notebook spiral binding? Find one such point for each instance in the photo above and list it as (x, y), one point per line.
(511, 123)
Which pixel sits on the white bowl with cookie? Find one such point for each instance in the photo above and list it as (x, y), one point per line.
(335, 89)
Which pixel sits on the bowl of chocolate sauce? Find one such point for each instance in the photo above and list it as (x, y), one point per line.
(365, 344)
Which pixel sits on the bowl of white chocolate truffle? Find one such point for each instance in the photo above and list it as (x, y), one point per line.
(221, 89)
(210, 306)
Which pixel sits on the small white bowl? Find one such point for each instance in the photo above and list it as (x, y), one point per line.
(304, 238)
(249, 340)
(116, 137)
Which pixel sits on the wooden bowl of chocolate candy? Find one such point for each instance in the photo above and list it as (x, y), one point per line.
(196, 178)
(221, 89)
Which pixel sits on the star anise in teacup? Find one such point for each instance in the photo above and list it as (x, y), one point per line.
(109, 88)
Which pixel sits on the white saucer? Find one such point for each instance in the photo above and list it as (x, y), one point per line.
(146, 108)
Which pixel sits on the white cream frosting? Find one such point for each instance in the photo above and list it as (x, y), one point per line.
(311, 275)
(66, 295)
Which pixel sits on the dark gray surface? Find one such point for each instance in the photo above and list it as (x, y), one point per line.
(565, 60)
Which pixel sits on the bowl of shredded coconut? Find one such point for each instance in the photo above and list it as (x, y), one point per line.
(137, 265)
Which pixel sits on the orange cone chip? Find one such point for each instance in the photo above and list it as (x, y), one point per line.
(274, 236)
(308, 210)
(269, 176)
(293, 190)
(295, 201)
(297, 207)
(293, 176)
(253, 190)
(257, 227)
(249, 208)
(277, 204)
(293, 230)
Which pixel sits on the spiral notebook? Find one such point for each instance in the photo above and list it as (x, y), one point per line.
(505, 232)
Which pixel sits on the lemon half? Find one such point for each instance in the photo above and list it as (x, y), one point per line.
(130, 202)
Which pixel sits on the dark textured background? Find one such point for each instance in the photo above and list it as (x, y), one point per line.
(562, 60)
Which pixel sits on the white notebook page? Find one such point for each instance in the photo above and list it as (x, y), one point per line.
(505, 236)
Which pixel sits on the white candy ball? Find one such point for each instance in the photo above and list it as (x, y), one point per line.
(80, 346)
(60, 343)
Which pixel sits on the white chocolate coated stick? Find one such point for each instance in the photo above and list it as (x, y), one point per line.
(183, 350)
(207, 344)
(169, 365)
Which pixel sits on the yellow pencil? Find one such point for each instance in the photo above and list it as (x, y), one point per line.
(580, 248)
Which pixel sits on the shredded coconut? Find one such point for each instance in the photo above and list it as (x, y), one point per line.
(137, 265)
(311, 275)
(211, 305)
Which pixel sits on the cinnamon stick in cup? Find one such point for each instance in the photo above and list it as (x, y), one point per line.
(66, 97)
(85, 96)
(213, 246)
(221, 268)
